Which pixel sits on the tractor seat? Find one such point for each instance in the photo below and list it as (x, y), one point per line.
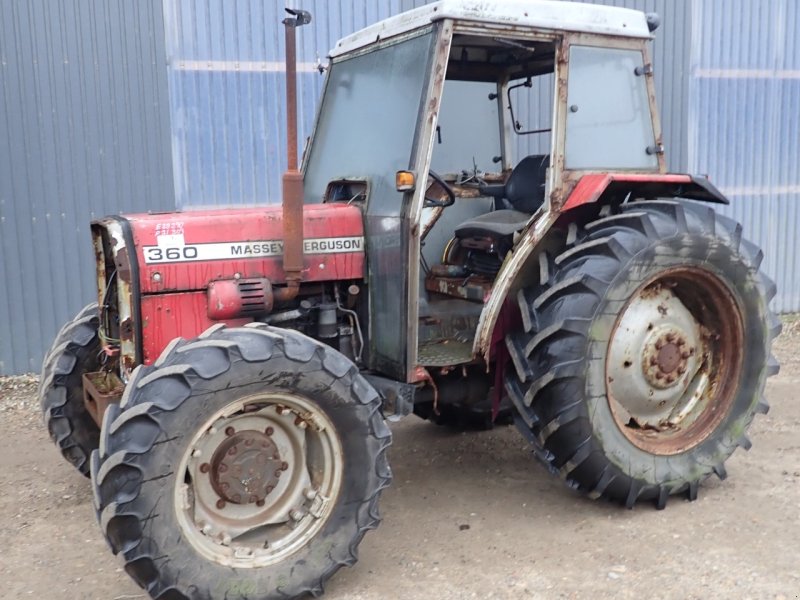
(523, 192)
(497, 223)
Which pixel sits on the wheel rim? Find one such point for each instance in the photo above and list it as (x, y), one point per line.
(674, 360)
(259, 480)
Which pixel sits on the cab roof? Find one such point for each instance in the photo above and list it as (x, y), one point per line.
(541, 14)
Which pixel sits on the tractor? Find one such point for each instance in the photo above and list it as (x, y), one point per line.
(482, 226)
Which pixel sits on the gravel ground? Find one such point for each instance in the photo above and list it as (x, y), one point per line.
(468, 516)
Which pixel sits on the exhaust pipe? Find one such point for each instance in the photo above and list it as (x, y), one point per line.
(292, 182)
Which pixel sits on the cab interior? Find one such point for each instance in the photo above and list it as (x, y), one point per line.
(494, 87)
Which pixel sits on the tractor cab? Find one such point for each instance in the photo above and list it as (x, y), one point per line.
(461, 129)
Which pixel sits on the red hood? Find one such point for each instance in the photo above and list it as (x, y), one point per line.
(183, 251)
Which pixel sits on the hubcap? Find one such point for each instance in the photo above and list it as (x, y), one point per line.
(671, 365)
(246, 467)
(259, 480)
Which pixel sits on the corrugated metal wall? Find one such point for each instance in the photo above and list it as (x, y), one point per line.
(84, 131)
(227, 93)
(86, 120)
(744, 124)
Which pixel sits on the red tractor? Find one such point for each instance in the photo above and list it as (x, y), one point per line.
(228, 392)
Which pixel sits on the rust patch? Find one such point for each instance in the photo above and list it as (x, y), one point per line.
(100, 389)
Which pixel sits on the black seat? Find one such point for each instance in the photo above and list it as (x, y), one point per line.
(523, 193)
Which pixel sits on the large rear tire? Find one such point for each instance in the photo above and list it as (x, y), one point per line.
(244, 464)
(645, 353)
(74, 352)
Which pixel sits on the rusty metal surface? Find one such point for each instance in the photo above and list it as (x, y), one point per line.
(292, 182)
(688, 355)
(421, 163)
(265, 470)
(110, 231)
(473, 288)
(100, 389)
(246, 467)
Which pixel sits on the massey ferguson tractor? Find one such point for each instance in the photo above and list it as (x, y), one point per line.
(482, 224)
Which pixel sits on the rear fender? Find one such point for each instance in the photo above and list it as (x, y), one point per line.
(605, 186)
(523, 268)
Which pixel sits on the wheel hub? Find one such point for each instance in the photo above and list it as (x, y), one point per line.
(653, 358)
(260, 478)
(246, 467)
(665, 356)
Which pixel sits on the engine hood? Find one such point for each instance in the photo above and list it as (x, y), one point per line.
(184, 251)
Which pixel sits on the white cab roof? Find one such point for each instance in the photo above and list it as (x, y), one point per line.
(544, 14)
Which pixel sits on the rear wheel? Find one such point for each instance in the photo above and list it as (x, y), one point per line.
(245, 464)
(75, 351)
(645, 354)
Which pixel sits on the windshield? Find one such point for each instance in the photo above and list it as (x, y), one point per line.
(367, 121)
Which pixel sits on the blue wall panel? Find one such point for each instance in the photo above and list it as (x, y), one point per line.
(84, 131)
(744, 126)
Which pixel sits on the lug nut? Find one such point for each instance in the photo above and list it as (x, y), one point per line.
(222, 467)
(684, 355)
(670, 378)
(659, 375)
(300, 423)
(681, 369)
(681, 342)
(260, 503)
(220, 504)
(232, 451)
(229, 431)
(653, 361)
(284, 466)
(269, 431)
(205, 468)
(659, 344)
(295, 515)
(237, 498)
(278, 473)
(670, 337)
(269, 489)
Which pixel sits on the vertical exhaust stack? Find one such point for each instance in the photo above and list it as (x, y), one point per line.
(292, 178)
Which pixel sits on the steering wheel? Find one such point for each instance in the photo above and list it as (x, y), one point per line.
(439, 202)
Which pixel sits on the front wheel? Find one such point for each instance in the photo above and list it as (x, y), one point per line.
(645, 354)
(245, 464)
(75, 351)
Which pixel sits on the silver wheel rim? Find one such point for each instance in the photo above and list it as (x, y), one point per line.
(258, 480)
(673, 362)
